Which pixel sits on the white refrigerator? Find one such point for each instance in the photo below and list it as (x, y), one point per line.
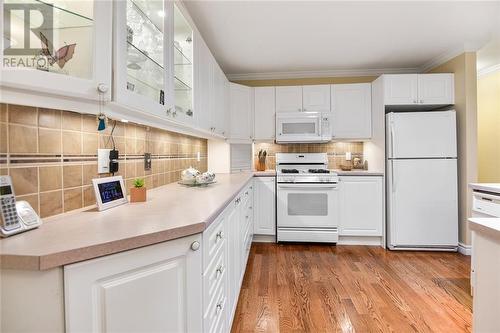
(422, 196)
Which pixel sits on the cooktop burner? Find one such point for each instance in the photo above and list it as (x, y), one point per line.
(289, 171)
(319, 171)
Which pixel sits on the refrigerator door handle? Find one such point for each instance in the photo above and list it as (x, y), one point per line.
(393, 178)
(393, 139)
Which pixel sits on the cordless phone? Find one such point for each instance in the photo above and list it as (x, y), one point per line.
(15, 216)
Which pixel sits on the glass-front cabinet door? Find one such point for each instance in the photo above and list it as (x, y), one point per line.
(58, 47)
(183, 66)
(141, 57)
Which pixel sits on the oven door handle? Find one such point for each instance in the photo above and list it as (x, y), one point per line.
(310, 186)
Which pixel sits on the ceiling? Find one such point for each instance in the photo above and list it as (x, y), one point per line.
(294, 36)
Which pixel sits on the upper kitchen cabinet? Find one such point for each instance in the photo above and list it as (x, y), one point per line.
(57, 48)
(264, 113)
(204, 84)
(241, 115)
(289, 99)
(303, 98)
(436, 89)
(316, 98)
(183, 74)
(351, 111)
(220, 110)
(141, 59)
(419, 89)
(153, 59)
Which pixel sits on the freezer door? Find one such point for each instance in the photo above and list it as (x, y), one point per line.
(423, 203)
(421, 134)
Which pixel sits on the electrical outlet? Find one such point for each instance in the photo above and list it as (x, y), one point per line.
(103, 160)
(147, 161)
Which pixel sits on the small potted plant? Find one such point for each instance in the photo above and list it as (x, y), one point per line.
(138, 192)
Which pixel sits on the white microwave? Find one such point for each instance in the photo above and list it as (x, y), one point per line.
(303, 127)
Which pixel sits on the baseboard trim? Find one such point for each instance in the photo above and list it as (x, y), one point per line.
(464, 249)
(264, 238)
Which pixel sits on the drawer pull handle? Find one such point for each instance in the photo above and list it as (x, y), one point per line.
(219, 270)
(250, 207)
(220, 235)
(246, 193)
(195, 246)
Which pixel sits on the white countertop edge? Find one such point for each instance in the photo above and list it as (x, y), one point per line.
(490, 225)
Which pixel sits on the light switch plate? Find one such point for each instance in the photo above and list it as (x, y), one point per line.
(103, 160)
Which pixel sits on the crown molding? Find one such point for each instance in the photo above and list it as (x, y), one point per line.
(488, 70)
(448, 55)
(319, 74)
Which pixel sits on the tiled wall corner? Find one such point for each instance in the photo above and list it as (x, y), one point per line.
(51, 155)
(335, 151)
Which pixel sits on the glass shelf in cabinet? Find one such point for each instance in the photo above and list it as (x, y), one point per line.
(181, 59)
(180, 85)
(149, 10)
(137, 54)
(66, 14)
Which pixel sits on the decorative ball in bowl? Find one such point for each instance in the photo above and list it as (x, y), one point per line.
(193, 177)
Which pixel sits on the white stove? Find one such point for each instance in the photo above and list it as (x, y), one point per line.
(304, 168)
(307, 198)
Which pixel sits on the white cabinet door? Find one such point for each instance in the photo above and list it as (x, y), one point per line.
(351, 111)
(289, 99)
(220, 111)
(362, 204)
(152, 289)
(265, 113)
(316, 98)
(234, 256)
(400, 89)
(241, 118)
(436, 89)
(81, 29)
(264, 204)
(204, 86)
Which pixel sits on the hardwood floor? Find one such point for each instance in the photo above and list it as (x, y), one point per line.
(321, 288)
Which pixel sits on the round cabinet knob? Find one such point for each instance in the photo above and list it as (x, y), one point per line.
(421, 101)
(102, 88)
(414, 101)
(195, 246)
(220, 269)
(219, 307)
(299, 109)
(220, 235)
(304, 109)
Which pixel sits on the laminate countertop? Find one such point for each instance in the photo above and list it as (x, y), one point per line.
(171, 211)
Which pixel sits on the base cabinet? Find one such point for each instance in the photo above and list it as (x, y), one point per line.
(362, 206)
(265, 206)
(153, 289)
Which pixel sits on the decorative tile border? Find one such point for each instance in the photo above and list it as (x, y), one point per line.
(52, 155)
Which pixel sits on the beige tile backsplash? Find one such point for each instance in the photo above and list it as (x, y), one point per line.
(51, 155)
(335, 151)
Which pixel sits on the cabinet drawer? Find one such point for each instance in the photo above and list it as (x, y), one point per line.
(214, 277)
(213, 239)
(215, 315)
